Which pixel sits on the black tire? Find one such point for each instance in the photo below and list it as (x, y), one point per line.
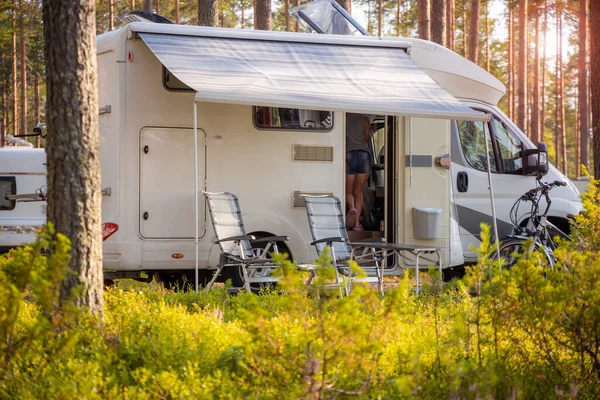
(237, 277)
(509, 247)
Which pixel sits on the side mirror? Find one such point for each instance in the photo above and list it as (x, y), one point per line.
(535, 161)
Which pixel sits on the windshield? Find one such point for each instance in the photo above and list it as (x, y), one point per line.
(325, 16)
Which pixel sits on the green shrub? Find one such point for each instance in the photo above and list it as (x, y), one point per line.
(527, 332)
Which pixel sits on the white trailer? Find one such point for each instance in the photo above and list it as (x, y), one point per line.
(270, 110)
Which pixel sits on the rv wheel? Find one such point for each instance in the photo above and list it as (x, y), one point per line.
(237, 277)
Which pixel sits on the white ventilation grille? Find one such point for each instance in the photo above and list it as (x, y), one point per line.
(312, 153)
(299, 202)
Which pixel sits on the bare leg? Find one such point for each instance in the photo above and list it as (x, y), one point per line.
(350, 191)
(357, 192)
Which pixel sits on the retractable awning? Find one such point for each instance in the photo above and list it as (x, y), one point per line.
(307, 75)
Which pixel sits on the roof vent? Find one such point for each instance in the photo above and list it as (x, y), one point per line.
(142, 16)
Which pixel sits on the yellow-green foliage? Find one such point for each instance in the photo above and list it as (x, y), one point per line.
(528, 332)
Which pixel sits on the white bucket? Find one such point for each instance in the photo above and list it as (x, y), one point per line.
(380, 177)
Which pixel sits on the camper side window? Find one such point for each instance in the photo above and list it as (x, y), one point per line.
(170, 82)
(292, 118)
(8, 186)
(472, 140)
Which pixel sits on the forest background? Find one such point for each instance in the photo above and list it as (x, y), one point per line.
(537, 48)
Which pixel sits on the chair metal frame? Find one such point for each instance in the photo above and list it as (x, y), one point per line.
(249, 258)
(375, 251)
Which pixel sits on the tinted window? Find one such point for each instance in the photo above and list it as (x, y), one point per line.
(8, 186)
(472, 140)
(292, 118)
(170, 82)
(509, 147)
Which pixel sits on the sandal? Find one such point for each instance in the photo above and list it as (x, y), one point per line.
(351, 218)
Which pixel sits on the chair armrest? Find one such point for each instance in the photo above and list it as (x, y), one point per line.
(328, 240)
(236, 238)
(271, 239)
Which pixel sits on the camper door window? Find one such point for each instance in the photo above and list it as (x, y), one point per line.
(509, 147)
(472, 136)
(292, 118)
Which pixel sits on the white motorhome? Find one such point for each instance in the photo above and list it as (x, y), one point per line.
(270, 110)
(481, 91)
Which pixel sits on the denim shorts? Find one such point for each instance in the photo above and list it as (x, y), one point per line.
(358, 162)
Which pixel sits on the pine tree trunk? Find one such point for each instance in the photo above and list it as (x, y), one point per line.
(561, 104)
(15, 92)
(296, 3)
(207, 12)
(379, 17)
(3, 109)
(557, 99)
(584, 110)
(398, 17)
(177, 16)
(424, 28)
(111, 15)
(509, 83)
(523, 39)
(157, 6)
(74, 197)
(450, 24)
(36, 106)
(487, 36)
(595, 84)
(438, 21)
(535, 110)
(287, 15)
(577, 138)
(132, 5)
(346, 4)
(23, 74)
(474, 32)
(148, 5)
(243, 16)
(544, 67)
(464, 26)
(263, 15)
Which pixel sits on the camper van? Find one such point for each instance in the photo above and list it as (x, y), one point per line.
(185, 109)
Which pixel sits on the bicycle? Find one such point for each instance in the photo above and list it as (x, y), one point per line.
(538, 234)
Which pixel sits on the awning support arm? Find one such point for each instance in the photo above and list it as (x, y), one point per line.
(491, 187)
(196, 192)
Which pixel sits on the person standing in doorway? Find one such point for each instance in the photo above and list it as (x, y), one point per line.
(358, 165)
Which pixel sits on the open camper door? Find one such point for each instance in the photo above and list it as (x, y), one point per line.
(424, 185)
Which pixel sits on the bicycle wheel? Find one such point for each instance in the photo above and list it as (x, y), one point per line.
(510, 248)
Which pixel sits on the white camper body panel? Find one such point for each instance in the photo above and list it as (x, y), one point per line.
(152, 192)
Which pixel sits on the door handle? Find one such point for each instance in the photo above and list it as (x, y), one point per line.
(462, 182)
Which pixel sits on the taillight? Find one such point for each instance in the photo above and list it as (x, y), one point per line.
(108, 229)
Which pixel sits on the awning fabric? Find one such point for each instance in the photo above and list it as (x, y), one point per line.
(332, 77)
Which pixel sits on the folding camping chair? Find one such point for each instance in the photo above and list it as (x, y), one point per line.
(238, 250)
(328, 228)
